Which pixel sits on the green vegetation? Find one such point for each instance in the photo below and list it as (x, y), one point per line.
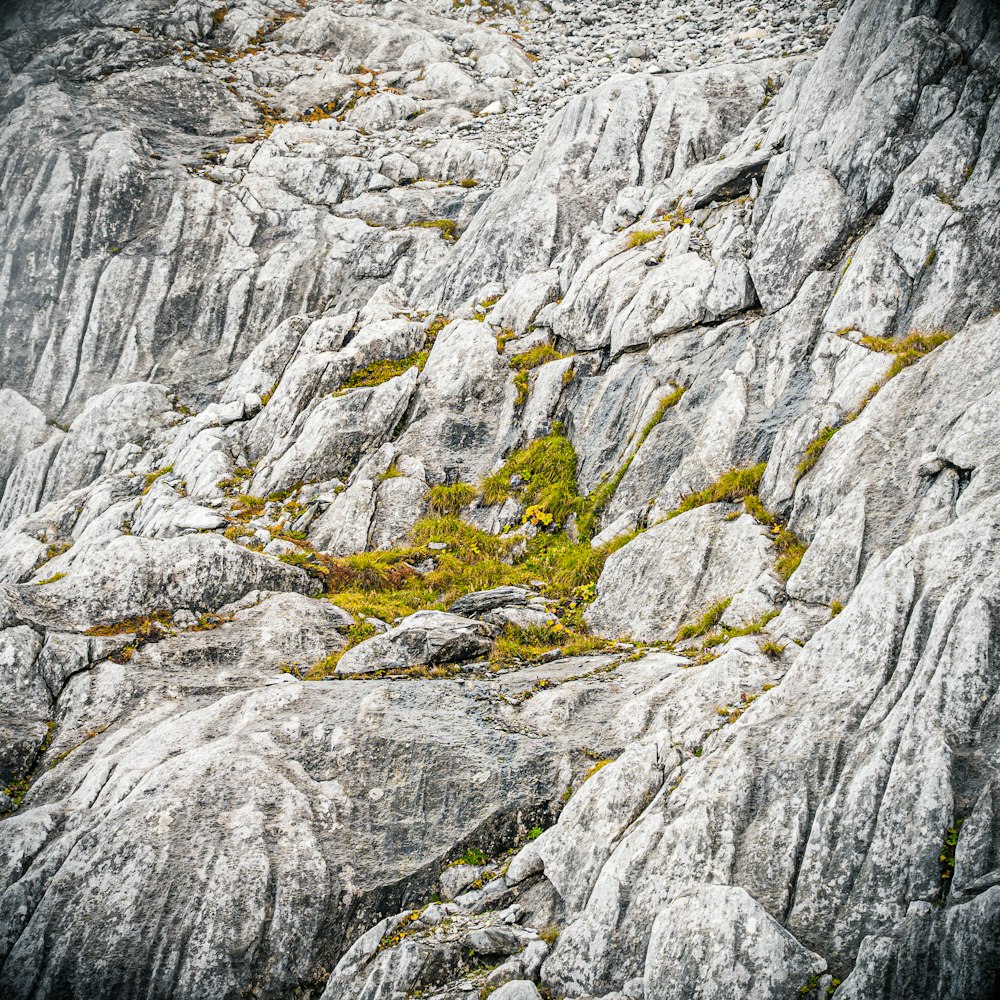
(835, 608)
(771, 648)
(379, 372)
(393, 472)
(546, 470)
(907, 351)
(534, 833)
(445, 227)
(641, 237)
(387, 586)
(597, 767)
(549, 934)
(707, 620)
(18, 788)
(947, 855)
(442, 500)
(789, 546)
(730, 487)
(151, 477)
(814, 449)
(602, 495)
(526, 362)
(52, 579)
(518, 644)
(721, 635)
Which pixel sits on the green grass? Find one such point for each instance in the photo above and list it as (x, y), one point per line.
(731, 487)
(603, 494)
(519, 645)
(907, 351)
(790, 548)
(151, 477)
(379, 372)
(708, 619)
(527, 362)
(450, 499)
(547, 467)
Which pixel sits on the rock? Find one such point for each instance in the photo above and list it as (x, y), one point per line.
(647, 596)
(518, 989)
(481, 601)
(423, 638)
(733, 945)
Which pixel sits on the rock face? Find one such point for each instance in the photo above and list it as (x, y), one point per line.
(499, 500)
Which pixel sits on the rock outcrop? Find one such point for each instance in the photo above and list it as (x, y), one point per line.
(499, 499)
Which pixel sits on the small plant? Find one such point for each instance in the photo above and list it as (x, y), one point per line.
(814, 449)
(730, 487)
(445, 227)
(151, 477)
(52, 579)
(835, 608)
(771, 648)
(528, 361)
(379, 372)
(641, 237)
(597, 767)
(472, 856)
(549, 933)
(908, 351)
(534, 833)
(537, 516)
(443, 500)
(393, 472)
(708, 620)
(602, 495)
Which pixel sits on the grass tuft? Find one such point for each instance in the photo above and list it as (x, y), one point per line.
(731, 487)
(443, 500)
(641, 237)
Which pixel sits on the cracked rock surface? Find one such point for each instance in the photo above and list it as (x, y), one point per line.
(499, 499)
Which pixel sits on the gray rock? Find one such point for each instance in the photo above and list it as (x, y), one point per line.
(423, 638)
(650, 587)
(712, 939)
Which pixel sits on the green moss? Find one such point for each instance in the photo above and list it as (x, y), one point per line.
(52, 579)
(446, 227)
(450, 499)
(151, 477)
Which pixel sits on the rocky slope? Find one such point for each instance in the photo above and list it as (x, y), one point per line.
(499, 499)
